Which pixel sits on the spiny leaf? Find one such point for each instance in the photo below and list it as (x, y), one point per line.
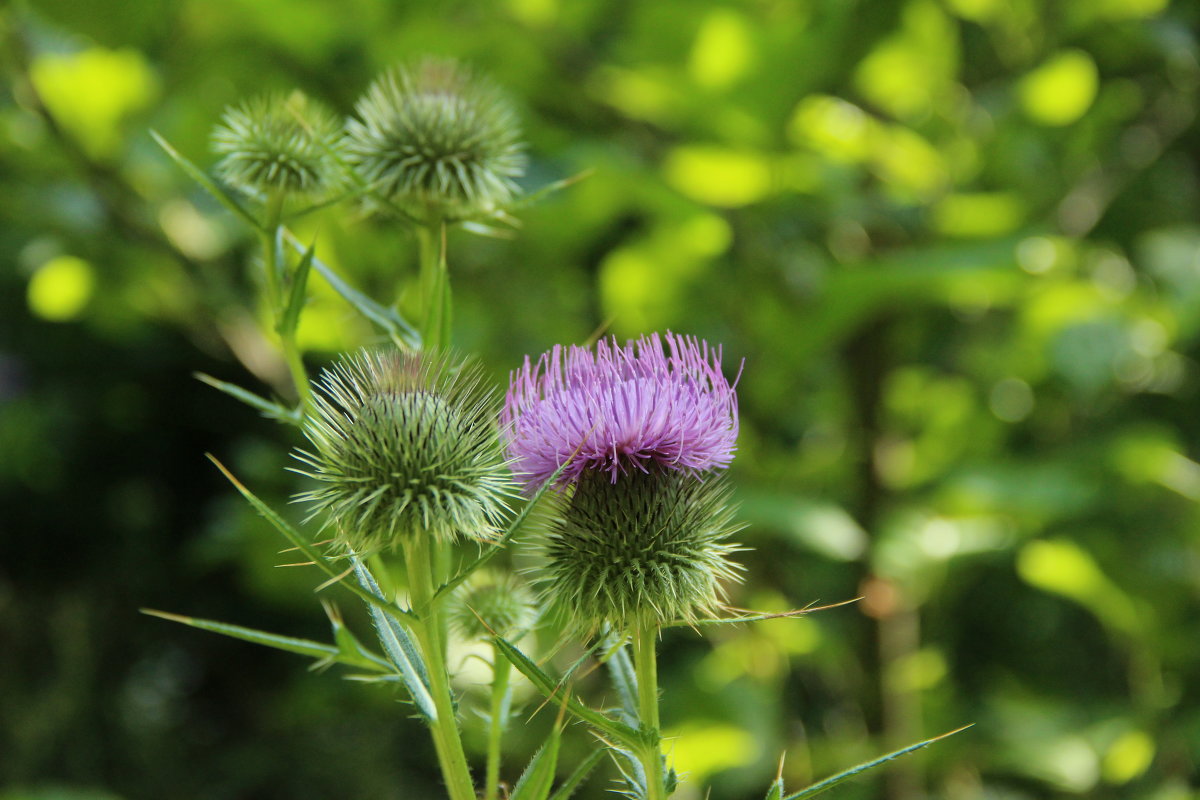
(208, 184)
(578, 776)
(322, 652)
(538, 778)
(298, 294)
(615, 730)
(399, 647)
(829, 783)
(401, 332)
(269, 409)
(304, 546)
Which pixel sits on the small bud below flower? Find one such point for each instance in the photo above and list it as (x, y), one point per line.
(492, 606)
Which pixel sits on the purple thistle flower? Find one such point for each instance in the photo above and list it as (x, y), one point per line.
(621, 408)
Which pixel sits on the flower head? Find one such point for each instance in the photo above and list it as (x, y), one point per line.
(621, 409)
(652, 547)
(404, 445)
(438, 142)
(278, 144)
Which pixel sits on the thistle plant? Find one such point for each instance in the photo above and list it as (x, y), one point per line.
(409, 454)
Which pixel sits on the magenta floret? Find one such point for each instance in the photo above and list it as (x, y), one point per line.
(621, 408)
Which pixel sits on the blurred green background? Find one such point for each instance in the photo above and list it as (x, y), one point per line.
(957, 243)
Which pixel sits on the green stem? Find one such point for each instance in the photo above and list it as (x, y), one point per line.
(645, 665)
(501, 668)
(435, 285)
(273, 263)
(446, 739)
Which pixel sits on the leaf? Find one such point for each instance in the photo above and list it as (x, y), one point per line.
(304, 546)
(776, 790)
(537, 780)
(624, 681)
(577, 777)
(268, 408)
(305, 647)
(349, 645)
(797, 612)
(829, 783)
(208, 184)
(297, 294)
(397, 328)
(399, 647)
(618, 731)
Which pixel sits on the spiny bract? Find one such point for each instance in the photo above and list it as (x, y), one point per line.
(403, 445)
(278, 144)
(652, 547)
(437, 141)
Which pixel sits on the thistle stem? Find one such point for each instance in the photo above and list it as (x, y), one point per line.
(435, 285)
(645, 664)
(272, 242)
(446, 739)
(501, 668)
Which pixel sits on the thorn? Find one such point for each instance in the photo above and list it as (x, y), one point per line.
(335, 579)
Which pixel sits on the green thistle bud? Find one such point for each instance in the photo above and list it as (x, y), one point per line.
(278, 144)
(492, 606)
(648, 548)
(404, 444)
(438, 142)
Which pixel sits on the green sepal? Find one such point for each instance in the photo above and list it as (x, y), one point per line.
(829, 783)
(267, 408)
(208, 184)
(611, 728)
(304, 546)
(324, 654)
(577, 777)
(289, 320)
(397, 328)
(502, 542)
(537, 780)
(399, 647)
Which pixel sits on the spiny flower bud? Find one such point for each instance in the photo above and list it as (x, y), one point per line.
(438, 142)
(492, 606)
(621, 410)
(278, 144)
(650, 548)
(403, 445)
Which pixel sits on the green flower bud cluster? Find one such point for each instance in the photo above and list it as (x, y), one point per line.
(433, 140)
(401, 445)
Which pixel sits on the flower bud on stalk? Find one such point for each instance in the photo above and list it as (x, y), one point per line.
(403, 445)
(641, 532)
(492, 606)
(278, 145)
(438, 142)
